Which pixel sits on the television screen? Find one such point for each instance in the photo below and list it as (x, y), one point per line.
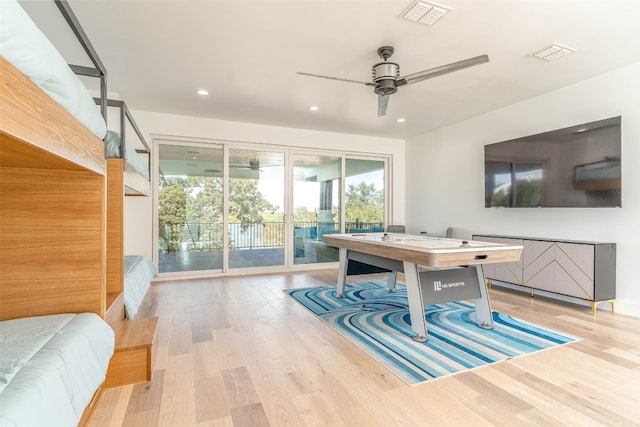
(578, 166)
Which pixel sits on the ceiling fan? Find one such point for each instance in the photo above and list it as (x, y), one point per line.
(254, 165)
(386, 75)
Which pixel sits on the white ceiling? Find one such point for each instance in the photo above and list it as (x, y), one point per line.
(246, 54)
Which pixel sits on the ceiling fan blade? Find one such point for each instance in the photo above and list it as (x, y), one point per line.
(336, 78)
(441, 70)
(383, 103)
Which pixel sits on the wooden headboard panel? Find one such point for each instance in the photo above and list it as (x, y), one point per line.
(52, 205)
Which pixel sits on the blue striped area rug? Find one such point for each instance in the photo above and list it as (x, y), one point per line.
(378, 322)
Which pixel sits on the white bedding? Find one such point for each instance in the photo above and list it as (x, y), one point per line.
(50, 367)
(27, 48)
(131, 155)
(138, 272)
(113, 144)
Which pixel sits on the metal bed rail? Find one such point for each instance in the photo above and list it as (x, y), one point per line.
(99, 69)
(126, 116)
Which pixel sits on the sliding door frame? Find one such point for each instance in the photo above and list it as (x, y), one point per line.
(288, 152)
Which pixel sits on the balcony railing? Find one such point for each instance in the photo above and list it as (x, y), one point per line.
(204, 236)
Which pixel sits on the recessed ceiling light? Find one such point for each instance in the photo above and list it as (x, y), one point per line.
(425, 12)
(554, 51)
(203, 92)
(314, 108)
(401, 120)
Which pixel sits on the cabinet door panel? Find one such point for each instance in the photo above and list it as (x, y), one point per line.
(574, 270)
(539, 271)
(509, 272)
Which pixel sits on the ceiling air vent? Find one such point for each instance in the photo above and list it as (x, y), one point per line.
(425, 12)
(553, 52)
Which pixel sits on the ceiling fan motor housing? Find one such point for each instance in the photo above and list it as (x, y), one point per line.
(385, 75)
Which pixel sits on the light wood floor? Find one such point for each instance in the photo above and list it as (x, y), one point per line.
(239, 352)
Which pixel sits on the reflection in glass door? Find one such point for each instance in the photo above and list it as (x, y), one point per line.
(256, 208)
(316, 206)
(190, 208)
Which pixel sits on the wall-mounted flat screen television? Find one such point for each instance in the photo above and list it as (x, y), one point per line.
(578, 166)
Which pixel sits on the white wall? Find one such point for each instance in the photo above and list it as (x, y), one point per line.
(445, 184)
(138, 210)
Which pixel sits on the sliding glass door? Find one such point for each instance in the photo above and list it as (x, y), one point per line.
(316, 206)
(256, 209)
(190, 208)
(365, 195)
(226, 207)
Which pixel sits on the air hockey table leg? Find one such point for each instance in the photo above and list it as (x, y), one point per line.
(416, 303)
(484, 317)
(391, 281)
(342, 272)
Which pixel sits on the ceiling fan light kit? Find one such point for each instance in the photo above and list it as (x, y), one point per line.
(385, 74)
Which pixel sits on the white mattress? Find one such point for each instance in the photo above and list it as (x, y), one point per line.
(28, 49)
(138, 272)
(131, 155)
(50, 367)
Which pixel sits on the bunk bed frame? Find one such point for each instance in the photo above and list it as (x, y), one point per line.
(122, 181)
(61, 214)
(135, 183)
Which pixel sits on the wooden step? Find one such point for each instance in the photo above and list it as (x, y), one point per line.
(131, 361)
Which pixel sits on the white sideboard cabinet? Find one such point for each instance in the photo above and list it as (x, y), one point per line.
(584, 270)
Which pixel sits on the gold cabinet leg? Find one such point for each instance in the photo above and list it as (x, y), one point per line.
(594, 305)
(532, 293)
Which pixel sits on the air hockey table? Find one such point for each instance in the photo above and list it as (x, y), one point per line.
(436, 270)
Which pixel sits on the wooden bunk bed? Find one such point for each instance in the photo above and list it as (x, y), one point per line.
(126, 285)
(128, 174)
(54, 219)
